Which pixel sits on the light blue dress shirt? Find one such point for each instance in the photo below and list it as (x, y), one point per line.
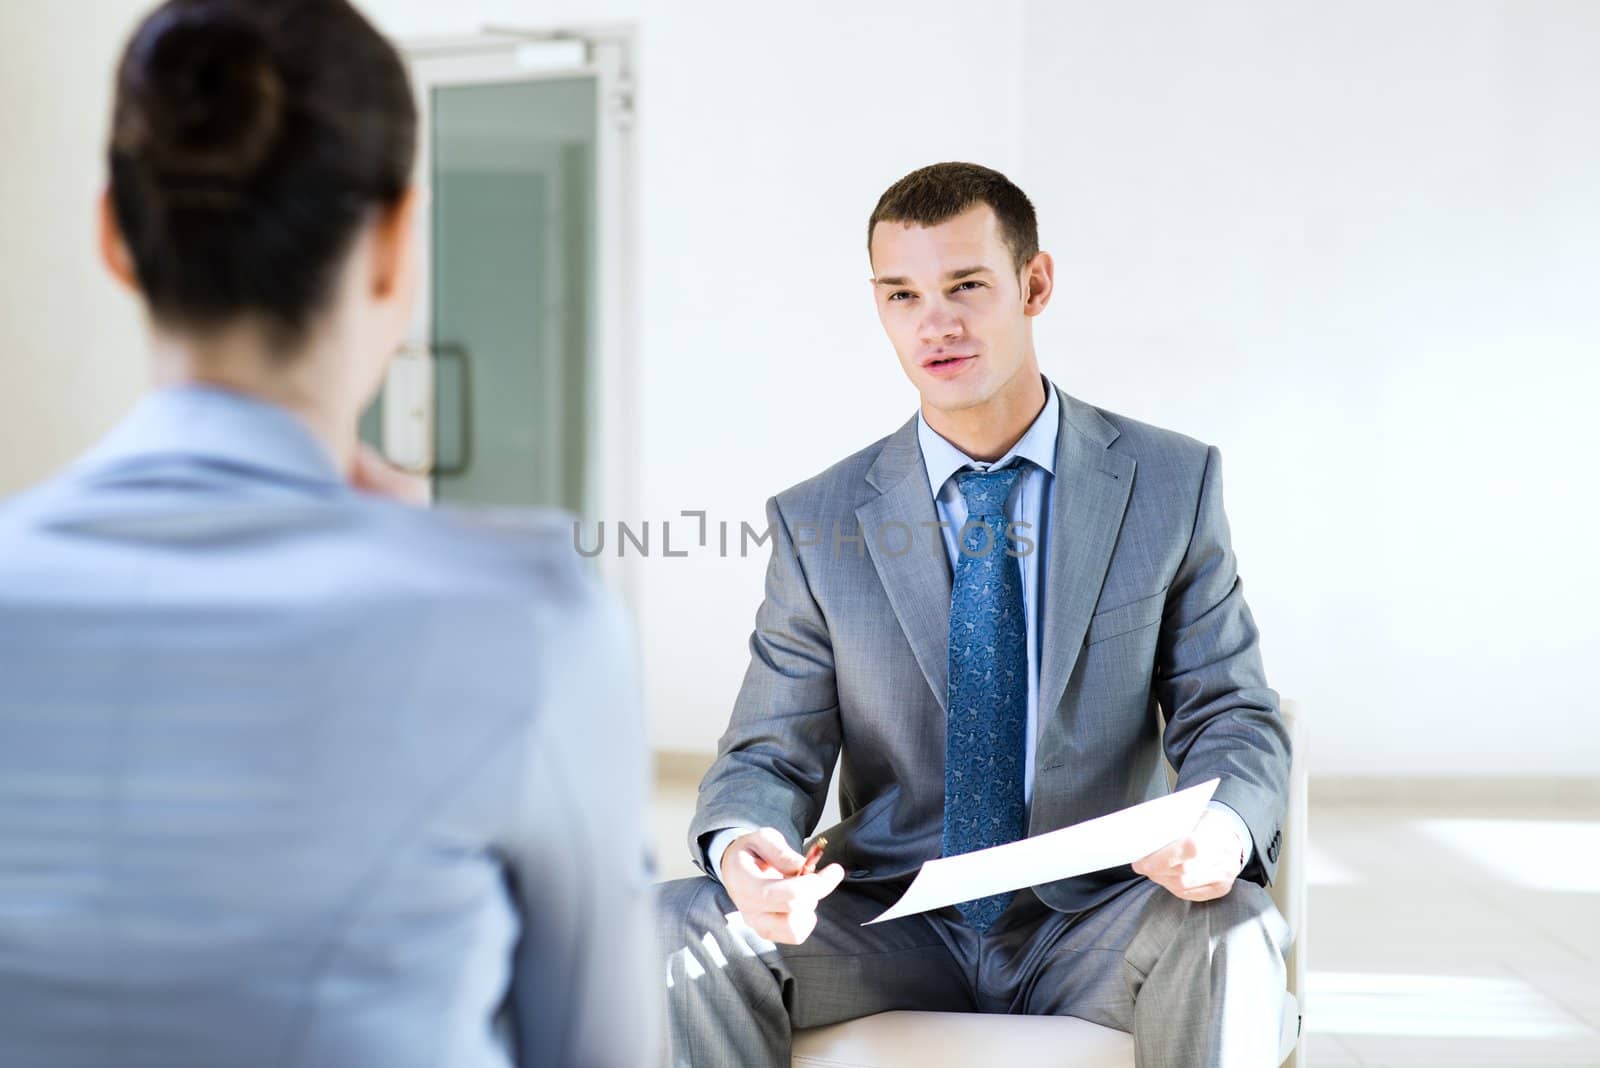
(1028, 509)
(289, 774)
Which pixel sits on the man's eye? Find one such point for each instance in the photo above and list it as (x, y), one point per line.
(964, 285)
(900, 293)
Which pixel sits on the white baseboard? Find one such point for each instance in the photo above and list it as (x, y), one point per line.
(1453, 791)
(678, 767)
(684, 769)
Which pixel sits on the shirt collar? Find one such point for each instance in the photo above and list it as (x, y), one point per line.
(1038, 446)
(219, 424)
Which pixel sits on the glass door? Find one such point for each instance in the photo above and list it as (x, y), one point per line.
(502, 392)
(513, 238)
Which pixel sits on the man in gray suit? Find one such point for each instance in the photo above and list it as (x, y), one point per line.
(983, 617)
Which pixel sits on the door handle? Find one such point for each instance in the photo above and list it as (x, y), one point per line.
(410, 410)
(407, 423)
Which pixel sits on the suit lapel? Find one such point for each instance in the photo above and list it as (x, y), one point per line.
(917, 580)
(1092, 486)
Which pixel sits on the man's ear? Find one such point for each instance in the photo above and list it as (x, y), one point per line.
(113, 250)
(394, 240)
(1038, 282)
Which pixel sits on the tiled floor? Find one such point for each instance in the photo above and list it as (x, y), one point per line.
(1436, 936)
(1443, 936)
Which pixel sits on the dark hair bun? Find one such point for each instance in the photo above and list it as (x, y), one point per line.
(250, 141)
(209, 104)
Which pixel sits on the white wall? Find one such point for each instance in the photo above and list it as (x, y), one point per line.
(1358, 247)
(1348, 245)
(71, 358)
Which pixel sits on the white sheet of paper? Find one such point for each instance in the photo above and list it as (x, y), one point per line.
(1093, 845)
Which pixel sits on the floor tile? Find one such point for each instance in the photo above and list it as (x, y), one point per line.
(1326, 1051)
(1577, 989)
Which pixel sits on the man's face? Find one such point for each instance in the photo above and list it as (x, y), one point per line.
(953, 304)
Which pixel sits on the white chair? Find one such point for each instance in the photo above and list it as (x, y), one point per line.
(921, 1039)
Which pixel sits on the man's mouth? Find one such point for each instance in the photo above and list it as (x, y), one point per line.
(948, 364)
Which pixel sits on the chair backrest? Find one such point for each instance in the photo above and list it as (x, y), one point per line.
(1289, 889)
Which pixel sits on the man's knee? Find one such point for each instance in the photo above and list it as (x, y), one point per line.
(1240, 929)
(1243, 925)
(698, 941)
(698, 893)
(1250, 904)
(688, 907)
(1244, 902)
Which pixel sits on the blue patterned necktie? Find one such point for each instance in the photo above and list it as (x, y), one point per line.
(985, 729)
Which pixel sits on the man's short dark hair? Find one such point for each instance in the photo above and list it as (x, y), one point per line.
(941, 191)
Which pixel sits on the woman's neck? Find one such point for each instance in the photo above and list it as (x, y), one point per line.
(301, 383)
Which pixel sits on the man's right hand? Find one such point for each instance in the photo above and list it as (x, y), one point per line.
(762, 875)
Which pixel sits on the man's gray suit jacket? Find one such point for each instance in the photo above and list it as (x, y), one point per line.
(1143, 616)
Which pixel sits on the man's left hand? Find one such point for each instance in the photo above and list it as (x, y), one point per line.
(1201, 867)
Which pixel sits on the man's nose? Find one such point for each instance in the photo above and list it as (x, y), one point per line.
(939, 325)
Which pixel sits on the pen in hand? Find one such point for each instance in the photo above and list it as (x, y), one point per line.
(763, 872)
(814, 854)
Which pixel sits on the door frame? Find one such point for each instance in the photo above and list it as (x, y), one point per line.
(607, 54)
